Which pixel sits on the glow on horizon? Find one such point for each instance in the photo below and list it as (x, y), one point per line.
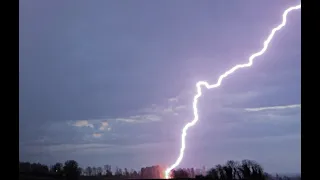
(218, 83)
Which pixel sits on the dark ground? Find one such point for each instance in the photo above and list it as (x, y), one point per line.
(24, 176)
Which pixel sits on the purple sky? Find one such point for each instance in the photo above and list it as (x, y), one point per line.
(112, 82)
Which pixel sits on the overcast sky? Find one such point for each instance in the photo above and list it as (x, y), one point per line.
(112, 82)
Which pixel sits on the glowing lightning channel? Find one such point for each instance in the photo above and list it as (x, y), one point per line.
(227, 73)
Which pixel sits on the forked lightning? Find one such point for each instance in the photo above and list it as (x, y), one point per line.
(218, 83)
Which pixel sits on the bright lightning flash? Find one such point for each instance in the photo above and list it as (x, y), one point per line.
(227, 73)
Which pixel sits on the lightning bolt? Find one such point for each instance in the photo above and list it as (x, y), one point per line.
(218, 83)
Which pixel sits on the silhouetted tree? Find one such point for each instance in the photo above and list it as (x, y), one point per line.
(88, 171)
(94, 171)
(180, 173)
(220, 171)
(231, 170)
(246, 170)
(200, 176)
(126, 173)
(99, 171)
(38, 168)
(107, 169)
(192, 173)
(118, 172)
(57, 168)
(24, 167)
(251, 170)
(71, 170)
(133, 174)
(81, 170)
(139, 174)
(212, 174)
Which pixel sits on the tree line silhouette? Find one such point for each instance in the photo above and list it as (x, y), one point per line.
(245, 170)
(70, 170)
